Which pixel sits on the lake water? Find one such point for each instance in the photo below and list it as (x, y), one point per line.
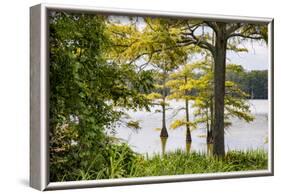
(240, 136)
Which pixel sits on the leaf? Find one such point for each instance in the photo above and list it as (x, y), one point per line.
(153, 96)
(134, 124)
(177, 123)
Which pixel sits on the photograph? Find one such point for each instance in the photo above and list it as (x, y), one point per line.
(137, 96)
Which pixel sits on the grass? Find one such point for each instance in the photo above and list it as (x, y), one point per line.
(121, 162)
(179, 162)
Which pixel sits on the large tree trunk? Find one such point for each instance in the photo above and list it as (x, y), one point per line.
(219, 87)
(210, 138)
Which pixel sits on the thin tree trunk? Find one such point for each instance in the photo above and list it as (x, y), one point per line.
(164, 132)
(188, 133)
(219, 87)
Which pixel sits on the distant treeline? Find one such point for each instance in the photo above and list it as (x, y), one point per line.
(254, 82)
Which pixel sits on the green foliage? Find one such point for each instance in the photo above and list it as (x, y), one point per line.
(195, 82)
(178, 163)
(74, 108)
(122, 162)
(152, 43)
(235, 98)
(154, 95)
(182, 83)
(85, 93)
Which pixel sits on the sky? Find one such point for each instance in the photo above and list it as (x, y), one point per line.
(255, 59)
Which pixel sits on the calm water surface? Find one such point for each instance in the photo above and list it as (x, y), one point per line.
(240, 136)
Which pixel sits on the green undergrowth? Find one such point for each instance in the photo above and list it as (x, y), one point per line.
(121, 162)
(179, 162)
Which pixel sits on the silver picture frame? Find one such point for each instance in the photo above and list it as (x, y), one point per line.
(39, 154)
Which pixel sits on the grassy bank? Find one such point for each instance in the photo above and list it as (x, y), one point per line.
(124, 163)
(119, 161)
(179, 162)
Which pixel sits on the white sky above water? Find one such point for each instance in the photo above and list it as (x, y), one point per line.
(255, 59)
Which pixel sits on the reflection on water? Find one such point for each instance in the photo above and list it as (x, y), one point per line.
(240, 136)
(187, 147)
(163, 144)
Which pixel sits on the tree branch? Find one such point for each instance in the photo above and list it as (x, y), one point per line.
(233, 28)
(212, 25)
(259, 37)
(193, 39)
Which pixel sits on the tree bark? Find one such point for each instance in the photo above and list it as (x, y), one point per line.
(219, 89)
(207, 125)
(210, 139)
(164, 132)
(188, 134)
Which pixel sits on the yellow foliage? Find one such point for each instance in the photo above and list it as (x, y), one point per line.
(177, 124)
(153, 96)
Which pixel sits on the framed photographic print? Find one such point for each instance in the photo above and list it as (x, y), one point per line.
(123, 97)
